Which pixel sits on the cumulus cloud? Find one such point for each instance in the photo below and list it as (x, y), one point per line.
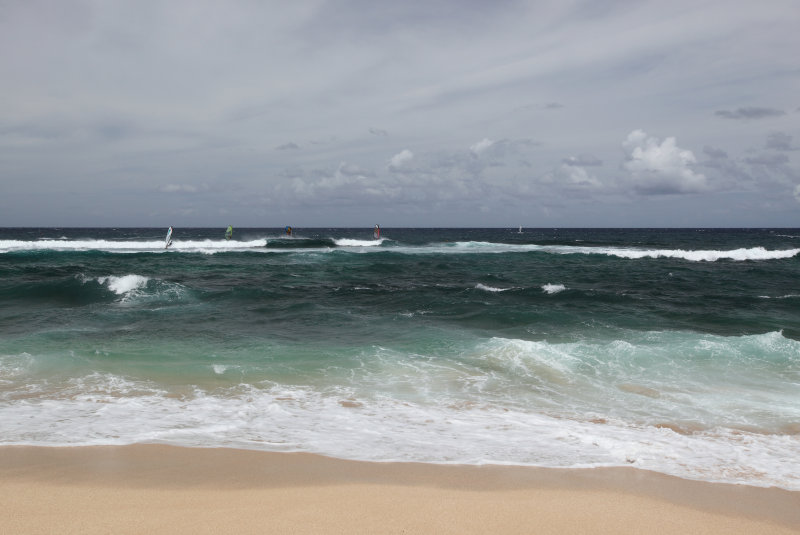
(481, 146)
(347, 182)
(400, 159)
(661, 167)
(749, 113)
(575, 176)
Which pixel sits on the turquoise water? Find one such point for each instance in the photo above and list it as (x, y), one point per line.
(671, 350)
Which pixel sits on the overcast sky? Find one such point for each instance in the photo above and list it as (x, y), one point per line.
(404, 113)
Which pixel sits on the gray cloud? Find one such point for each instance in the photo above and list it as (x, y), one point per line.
(288, 146)
(750, 113)
(779, 141)
(769, 160)
(583, 160)
(715, 153)
(114, 104)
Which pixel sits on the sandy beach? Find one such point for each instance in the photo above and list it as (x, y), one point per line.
(163, 489)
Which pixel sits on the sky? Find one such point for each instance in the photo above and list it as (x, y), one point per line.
(416, 113)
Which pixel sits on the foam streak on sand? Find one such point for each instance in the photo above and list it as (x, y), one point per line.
(157, 489)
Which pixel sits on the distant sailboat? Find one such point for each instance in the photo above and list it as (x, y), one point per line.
(376, 234)
(229, 233)
(520, 230)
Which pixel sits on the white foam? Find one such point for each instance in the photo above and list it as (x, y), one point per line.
(502, 401)
(341, 423)
(124, 284)
(217, 246)
(553, 288)
(475, 247)
(754, 253)
(345, 242)
(485, 288)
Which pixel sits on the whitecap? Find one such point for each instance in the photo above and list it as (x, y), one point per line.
(553, 288)
(345, 242)
(742, 254)
(485, 288)
(124, 284)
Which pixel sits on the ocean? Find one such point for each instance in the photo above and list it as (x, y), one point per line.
(672, 350)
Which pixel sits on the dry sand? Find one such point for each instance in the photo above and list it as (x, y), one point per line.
(163, 489)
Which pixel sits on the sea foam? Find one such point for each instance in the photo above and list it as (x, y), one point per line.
(124, 284)
(553, 288)
(344, 242)
(492, 289)
(754, 253)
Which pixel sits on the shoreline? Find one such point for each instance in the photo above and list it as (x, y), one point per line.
(172, 489)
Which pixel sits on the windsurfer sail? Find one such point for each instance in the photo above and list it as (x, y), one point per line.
(229, 233)
(376, 233)
(168, 240)
(288, 231)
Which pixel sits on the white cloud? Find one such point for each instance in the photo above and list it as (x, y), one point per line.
(481, 146)
(577, 176)
(661, 167)
(400, 159)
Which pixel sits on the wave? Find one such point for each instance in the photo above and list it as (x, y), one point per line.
(299, 243)
(346, 242)
(753, 253)
(331, 243)
(123, 285)
(136, 287)
(657, 400)
(492, 289)
(204, 246)
(129, 246)
(741, 254)
(553, 288)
